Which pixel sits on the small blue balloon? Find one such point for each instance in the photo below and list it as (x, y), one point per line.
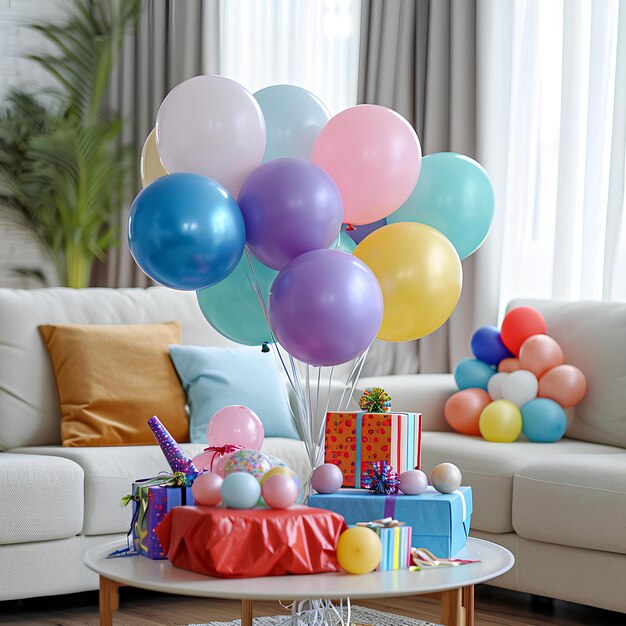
(343, 243)
(185, 231)
(454, 195)
(487, 346)
(293, 119)
(240, 491)
(472, 374)
(543, 420)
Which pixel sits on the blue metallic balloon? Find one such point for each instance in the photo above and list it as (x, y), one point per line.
(543, 420)
(473, 374)
(186, 231)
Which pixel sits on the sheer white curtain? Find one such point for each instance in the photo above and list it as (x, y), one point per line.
(552, 133)
(311, 44)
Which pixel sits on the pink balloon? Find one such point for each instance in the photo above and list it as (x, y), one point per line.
(206, 489)
(237, 425)
(280, 492)
(212, 461)
(327, 478)
(540, 353)
(508, 365)
(564, 384)
(374, 156)
(463, 408)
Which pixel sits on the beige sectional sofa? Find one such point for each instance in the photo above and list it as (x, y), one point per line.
(561, 508)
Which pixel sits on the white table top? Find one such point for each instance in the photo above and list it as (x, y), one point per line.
(139, 571)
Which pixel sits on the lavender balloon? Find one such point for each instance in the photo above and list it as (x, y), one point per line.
(327, 478)
(326, 307)
(413, 482)
(290, 206)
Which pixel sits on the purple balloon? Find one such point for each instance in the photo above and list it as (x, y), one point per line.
(290, 206)
(413, 482)
(361, 231)
(326, 307)
(327, 478)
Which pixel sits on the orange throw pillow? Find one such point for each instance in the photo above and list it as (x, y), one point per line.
(112, 379)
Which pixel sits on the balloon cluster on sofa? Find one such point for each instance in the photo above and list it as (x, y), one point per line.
(517, 383)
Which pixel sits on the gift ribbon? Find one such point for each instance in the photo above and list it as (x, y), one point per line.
(463, 505)
(359, 436)
(222, 451)
(390, 506)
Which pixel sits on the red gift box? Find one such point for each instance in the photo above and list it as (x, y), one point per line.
(233, 543)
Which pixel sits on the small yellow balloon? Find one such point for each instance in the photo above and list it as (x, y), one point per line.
(151, 167)
(359, 550)
(500, 421)
(278, 470)
(419, 272)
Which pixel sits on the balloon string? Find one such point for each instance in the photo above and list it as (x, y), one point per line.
(355, 367)
(356, 378)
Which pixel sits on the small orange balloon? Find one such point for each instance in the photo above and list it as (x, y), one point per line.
(462, 410)
(539, 354)
(564, 384)
(508, 365)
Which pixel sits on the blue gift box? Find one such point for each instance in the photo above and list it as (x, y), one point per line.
(440, 521)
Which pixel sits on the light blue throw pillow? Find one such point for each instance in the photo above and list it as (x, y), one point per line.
(215, 377)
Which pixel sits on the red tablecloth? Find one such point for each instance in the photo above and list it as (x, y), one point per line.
(233, 543)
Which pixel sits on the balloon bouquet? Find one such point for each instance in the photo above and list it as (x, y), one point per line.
(244, 199)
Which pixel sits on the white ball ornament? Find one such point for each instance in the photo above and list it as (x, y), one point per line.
(446, 477)
(520, 387)
(494, 386)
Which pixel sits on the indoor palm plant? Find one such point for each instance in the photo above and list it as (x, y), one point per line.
(63, 170)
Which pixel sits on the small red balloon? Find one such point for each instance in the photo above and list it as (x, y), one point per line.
(519, 324)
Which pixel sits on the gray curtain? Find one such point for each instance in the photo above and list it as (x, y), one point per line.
(418, 57)
(172, 41)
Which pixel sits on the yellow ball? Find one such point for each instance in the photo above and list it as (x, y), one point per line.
(278, 471)
(500, 421)
(359, 550)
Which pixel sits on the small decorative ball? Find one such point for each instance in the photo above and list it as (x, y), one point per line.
(240, 490)
(359, 550)
(206, 489)
(251, 462)
(280, 492)
(327, 478)
(445, 477)
(413, 482)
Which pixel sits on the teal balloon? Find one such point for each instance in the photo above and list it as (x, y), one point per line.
(454, 195)
(344, 243)
(232, 307)
(293, 119)
(472, 373)
(543, 420)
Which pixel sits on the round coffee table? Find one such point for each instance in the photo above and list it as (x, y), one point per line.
(454, 585)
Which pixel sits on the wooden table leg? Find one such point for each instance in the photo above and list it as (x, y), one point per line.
(451, 607)
(246, 613)
(468, 605)
(109, 600)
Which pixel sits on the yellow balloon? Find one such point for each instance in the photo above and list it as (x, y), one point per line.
(275, 471)
(420, 275)
(150, 165)
(359, 550)
(500, 421)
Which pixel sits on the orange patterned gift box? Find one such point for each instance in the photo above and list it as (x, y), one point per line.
(356, 438)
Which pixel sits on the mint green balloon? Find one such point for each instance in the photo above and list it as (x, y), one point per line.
(454, 195)
(343, 243)
(232, 306)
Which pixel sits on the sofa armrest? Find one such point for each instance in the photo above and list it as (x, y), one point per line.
(421, 393)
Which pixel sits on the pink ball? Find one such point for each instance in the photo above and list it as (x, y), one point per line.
(206, 489)
(413, 482)
(327, 478)
(279, 491)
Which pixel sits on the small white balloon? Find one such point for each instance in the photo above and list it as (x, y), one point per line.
(494, 386)
(520, 387)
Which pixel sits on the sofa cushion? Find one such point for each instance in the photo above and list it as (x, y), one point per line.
(490, 467)
(41, 498)
(110, 471)
(574, 500)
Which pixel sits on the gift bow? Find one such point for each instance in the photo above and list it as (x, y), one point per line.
(222, 451)
(380, 478)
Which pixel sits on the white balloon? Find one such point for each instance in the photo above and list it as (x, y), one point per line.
(211, 125)
(494, 386)
(520, 387)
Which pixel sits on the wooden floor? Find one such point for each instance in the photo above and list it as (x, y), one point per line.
(143, 608)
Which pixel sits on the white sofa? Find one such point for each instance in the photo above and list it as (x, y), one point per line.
(561, 508)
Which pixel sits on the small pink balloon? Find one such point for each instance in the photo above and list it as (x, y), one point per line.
(462, 410)
(327, 478)
(564, 384)
(279, 491)
(413, 482)
(206, 489)
(238, 425)
(539, 354)
(509, 365)
(212, 461)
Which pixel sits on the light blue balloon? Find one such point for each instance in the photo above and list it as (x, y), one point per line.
(233, 308)
(293, 119)
(186, 231)
(240, 491)
(543, 420)
(472, 373)
(344, 243)
(454, 195)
